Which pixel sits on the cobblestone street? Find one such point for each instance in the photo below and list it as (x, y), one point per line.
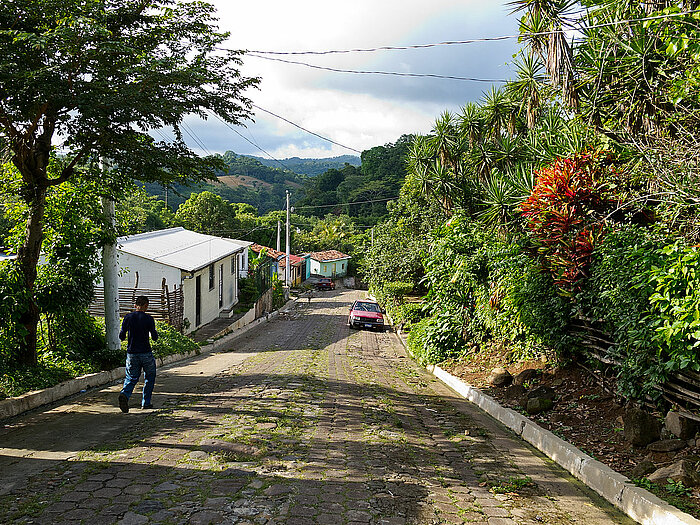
(304, 421)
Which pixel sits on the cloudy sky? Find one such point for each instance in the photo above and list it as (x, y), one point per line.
(356, 110)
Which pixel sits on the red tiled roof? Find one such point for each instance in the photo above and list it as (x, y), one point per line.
(296, 260)
(278, 256)
(329, 255)
(257, 248)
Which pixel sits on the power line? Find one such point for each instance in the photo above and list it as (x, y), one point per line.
(252, 143)
(306, 130)
(194, 136)
(388, 73)
(343, 204)
(469, 40)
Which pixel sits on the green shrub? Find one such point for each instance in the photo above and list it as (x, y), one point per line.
(617, 294)
(408, 314)
(170, 342)
(435, 339)
(675, 307)
(396, 290)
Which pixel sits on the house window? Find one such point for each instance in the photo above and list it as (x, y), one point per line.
(233, 264)
(211, 277)
(342, 266)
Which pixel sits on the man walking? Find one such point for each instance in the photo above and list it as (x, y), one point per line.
(139, 356)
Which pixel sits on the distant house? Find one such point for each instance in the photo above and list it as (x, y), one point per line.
(297, 275)
(330, 263)
(207, 269)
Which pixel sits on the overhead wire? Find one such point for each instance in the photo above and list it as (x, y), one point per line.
(388, 73)
(252, 143)
(471, 40)
(306, 130)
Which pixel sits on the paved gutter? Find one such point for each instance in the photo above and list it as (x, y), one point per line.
(638, 503)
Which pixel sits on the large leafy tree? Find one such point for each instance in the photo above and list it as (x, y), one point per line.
(93, 77)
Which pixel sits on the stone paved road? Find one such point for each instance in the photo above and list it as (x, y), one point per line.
(303, 422)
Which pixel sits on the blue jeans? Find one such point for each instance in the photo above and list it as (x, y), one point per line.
(134, 364)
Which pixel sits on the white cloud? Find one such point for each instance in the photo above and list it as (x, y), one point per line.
(360, 111)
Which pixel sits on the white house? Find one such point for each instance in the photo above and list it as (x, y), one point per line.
(206, 267)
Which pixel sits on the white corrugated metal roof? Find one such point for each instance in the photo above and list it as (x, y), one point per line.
(180, 248)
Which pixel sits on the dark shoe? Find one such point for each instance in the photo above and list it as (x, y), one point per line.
(147, 406)
(123, 403)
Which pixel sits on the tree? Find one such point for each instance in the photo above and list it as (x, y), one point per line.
(139, 212)
(207, 213)
(96, 76)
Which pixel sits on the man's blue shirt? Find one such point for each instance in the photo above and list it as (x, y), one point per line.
(139, 325)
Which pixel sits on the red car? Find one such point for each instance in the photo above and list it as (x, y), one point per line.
(325, 283)
(366, 314)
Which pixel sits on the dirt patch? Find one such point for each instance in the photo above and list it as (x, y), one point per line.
(584, 414)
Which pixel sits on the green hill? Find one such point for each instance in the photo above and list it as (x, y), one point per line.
(311, 167)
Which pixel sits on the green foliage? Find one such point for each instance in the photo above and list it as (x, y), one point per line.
(437, 338)
(277, 294)
(395, 291)
(617, 294)
(407, 314)
(675, 307)
(169, 342)
(139, 212)
(247, 290)
(207, 213)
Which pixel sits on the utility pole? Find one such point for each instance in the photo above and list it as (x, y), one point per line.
(110, 272)
(279, 227)
(287, 268)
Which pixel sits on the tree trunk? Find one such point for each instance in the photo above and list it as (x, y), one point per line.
(28, 259)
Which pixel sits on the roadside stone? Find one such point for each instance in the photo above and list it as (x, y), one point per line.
(537, 405)
(500, 377)
(515, 392)
(680, 426)
(543, 392)
(642, 468)
(667, 445)
(525, 376)
(683, 471)
(640, 428)
(198, 455)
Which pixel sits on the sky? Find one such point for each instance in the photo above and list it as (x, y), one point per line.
(358, 111)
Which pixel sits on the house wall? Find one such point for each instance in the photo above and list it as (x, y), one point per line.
(151, 275)
(337, 268)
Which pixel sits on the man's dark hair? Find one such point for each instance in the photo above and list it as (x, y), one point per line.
(141, 300)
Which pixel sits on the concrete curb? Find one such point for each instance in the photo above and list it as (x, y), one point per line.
(31, 400)
(638, 503)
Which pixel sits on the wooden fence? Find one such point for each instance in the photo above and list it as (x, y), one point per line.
(682, 389)
(164, 305)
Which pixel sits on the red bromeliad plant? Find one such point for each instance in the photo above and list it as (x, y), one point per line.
(564, 215)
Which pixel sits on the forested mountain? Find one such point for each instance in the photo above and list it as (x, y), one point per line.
(377, 175)
(378, 179)
(246, 180)
(311, 167)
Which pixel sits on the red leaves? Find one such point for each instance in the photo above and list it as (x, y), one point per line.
(562, 214)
